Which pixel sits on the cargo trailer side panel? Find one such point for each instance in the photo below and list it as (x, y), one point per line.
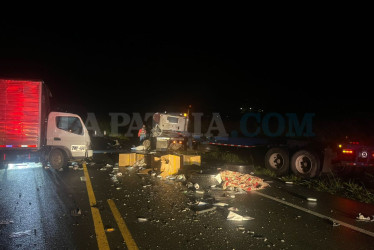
(20, 114)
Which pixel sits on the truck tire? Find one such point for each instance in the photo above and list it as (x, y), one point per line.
(57, 158)
(305, 164)
(278, 161)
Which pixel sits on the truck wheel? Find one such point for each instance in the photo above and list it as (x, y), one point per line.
(277, 160)
(305, 164)
(57, 158)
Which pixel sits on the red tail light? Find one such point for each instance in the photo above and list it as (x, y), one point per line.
(354, 142)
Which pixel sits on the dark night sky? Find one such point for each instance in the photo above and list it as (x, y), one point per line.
(109, 68)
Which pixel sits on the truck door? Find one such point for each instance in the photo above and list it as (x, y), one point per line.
(68, 131)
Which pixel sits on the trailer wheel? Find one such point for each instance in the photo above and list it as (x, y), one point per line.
(305, 164)
(57, 159)
(277, 160)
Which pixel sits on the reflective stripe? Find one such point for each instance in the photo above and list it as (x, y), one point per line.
(17, 146)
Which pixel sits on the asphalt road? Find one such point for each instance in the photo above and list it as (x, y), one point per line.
(47, 209)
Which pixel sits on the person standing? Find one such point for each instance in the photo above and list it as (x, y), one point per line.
(142, 134)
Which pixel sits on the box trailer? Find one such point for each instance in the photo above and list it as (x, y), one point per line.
(27, 126)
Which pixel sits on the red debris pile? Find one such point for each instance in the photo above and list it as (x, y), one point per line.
(245, 182)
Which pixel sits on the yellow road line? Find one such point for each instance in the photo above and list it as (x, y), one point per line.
(130, 243)
(102, 241)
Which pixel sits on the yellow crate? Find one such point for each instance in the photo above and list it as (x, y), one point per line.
(192, 160)
(170, 165)
(126, 160)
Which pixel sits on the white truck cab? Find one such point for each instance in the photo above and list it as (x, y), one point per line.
(67, 138)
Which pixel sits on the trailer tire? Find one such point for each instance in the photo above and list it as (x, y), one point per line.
(57, 158)
(278, 161)
(305, 164)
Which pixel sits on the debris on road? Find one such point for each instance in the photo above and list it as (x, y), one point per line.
(83, 178)
(109, 230)
(205, 210)
(20, 234)
(311, 199)
(6, 222)
(233, 209)
(361, 217)
(76, 212)
(138, 148)
(244, 181)
(142, 219)
(220, 204)
(237, 217)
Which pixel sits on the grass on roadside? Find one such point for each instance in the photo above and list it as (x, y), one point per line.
(331, 184)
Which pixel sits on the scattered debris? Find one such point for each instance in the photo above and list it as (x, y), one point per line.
(140, 163)
(145, 171)
(189, 185)
(361, 217)
(205, 210)
(138, 148)
(335, 224)
(234, 209)
(142, 219)
(202, 203)
(311, 199)
(108, 165)
(6, 222)
(76, 212)
(20, 234)
(114, 178)
(244, 181)
(83, 178)
(181, 177)
(196, 186)
(220, 204)
(237, 217)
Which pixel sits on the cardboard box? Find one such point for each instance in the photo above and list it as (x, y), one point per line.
(126, 160)
(192, 160)
(170, 165)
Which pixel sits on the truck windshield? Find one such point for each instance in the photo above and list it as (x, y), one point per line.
(70, 124)
(173, 119)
